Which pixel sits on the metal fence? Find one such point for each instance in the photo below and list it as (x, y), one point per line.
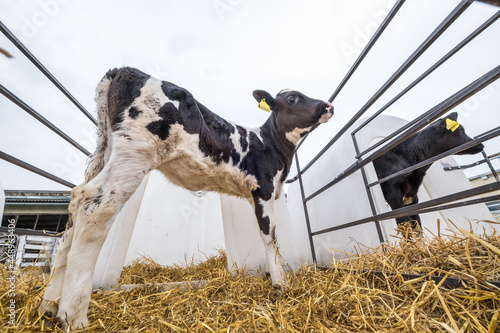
(373, 152)
(25, 107)
(362, 157)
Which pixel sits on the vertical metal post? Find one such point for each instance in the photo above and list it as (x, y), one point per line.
(492, 169)
(368, 191)
(306, 213)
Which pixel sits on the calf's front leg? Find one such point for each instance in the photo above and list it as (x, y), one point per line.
(415, 222)
(274, 261)
(100, 200)
(394, 198)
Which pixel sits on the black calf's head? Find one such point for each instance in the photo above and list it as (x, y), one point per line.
(451, 134)
(295, 113)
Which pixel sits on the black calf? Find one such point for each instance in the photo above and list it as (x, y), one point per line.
(442, 135)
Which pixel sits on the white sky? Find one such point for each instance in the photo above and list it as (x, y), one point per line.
(222, 50)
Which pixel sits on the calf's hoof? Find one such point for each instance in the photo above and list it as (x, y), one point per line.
(280, 286)
(63, 324)
(48, 310)
(51, 321)
(68, 324)
(278, 290)
(410, 230)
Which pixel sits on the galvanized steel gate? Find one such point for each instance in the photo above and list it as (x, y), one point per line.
(370, 154)
(363, 157)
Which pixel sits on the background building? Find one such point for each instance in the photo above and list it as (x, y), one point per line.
(39, 218)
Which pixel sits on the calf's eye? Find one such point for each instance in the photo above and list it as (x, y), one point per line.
(291, 99)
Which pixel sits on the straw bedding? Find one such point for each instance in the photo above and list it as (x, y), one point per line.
(342, 299)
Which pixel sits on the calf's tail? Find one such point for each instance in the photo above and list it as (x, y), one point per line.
(103, 150)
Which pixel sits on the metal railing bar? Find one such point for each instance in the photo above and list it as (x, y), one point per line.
(34, 169)
(19, 102)
(368, 47)
(494, 155)
(403, 128)
(400, 71)
(486, 133)
(457, 48)
(44, 70)
(466, 166)
(424, 210)
(426, 118)
(437, 157)
(460, 204)
(400, 130)
(426, 207)
(449, 103)
(449, 281)
(306, 212)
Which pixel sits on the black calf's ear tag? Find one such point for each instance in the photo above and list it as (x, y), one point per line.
(264, 106)
(451, 125)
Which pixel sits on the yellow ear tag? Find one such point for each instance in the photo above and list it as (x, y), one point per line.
(451, 125)
(264, 106)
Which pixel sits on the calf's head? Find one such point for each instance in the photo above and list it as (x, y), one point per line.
(450, 134)
(295, 114)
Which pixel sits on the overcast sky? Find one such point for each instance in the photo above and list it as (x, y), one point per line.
(222, 50)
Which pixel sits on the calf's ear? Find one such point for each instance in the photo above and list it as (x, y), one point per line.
(453, 116)
(265, 99)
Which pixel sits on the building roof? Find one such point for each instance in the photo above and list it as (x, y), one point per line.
(33, 197)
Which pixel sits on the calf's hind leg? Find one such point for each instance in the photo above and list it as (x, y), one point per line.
(53, 291)
(101, 200)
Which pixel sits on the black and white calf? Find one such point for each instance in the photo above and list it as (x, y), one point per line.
(442, 135)
(146, 124)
